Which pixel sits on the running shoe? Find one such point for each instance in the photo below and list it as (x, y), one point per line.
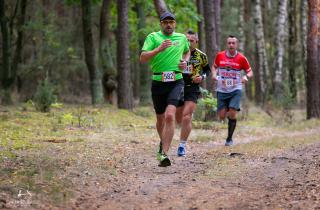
(181, 151)
(229, 142)
(164, 161)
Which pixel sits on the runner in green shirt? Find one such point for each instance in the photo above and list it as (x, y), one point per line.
(167, 52)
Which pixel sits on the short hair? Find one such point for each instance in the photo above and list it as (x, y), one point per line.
(191, 32)
(232, 36)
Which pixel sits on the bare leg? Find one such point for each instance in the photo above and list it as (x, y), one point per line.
(168, 129)
(186, 125)
(160, 125)
(179, 114)
(222, 113)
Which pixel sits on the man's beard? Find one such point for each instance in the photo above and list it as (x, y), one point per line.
(168, 31)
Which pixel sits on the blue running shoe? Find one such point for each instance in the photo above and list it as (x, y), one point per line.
(181, 151)
(229, 142)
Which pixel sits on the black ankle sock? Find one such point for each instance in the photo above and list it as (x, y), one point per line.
(231, 126)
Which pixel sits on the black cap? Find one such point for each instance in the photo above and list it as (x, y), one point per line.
(167, 15)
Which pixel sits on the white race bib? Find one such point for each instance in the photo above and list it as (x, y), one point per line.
(229, 82)
(189, 68)
(168, 76)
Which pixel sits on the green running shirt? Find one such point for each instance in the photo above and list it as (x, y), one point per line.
(168, 59)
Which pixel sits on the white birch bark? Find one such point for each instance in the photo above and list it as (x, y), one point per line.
(279, 54)
(262, 55)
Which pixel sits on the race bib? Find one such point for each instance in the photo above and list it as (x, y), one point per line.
(229, 82)
(168, 76)
(189, 68)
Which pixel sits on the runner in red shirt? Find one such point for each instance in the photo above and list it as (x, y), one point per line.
(226, 71)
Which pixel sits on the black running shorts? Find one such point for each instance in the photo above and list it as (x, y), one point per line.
(165, 93)
(191, 93)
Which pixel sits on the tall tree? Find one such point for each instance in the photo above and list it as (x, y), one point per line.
(292, 41)
(6, 54)
(211, 38)
(160, 6)
(105, 54)
(279, 54)
(145, 73)
(248, 48)
(241, 27)
(10, 59)
(262, 61)
(201, 33)
(303, 34)
(94, 73)
(125, 96)
(217, 21)
(312, 79)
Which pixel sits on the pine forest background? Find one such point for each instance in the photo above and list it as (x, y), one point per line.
(87, 52)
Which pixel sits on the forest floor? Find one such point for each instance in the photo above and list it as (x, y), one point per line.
(104, 158)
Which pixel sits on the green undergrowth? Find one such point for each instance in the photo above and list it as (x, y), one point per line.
(23, 128)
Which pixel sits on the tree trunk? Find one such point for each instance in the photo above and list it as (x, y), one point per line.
(6, 54)
(312, 79)
(210, 31)
(11, 60)
(19, 45)
(262, 55)
(279, 55)
(201, 33)
(319, 46)
(217, 21)
(106, 60)
(145, 82)
(292, 48)
(248, 48)
(303, 35)
(125, 99)
(242, 37)
(160, 6)
(94, 73)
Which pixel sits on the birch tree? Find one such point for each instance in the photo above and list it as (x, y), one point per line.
(262, 62)
(279, 54)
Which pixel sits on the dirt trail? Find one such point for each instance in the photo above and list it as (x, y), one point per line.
(118, 170)
(285, 180)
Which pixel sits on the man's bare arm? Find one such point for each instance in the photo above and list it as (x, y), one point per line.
(147, 55)
(213, 72)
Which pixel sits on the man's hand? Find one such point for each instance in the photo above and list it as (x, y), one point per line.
(244, 79)
(214, 77)
(164, 45)
(183, 64)
(147, 55)
(197, 79)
